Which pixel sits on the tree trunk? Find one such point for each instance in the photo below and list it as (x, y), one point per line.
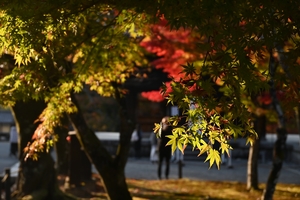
(280, 144)
(61, 147)
(36, 179)
(278, 157)
(111, 169)
(252, 167)
(252, 172)
(297, 111)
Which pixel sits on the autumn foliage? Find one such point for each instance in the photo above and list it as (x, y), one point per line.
(173, 49)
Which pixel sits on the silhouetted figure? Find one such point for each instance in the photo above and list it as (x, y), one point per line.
(136, 138)
(164, 152)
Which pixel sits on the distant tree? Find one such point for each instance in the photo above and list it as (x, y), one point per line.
(260, 106)
(172, 49)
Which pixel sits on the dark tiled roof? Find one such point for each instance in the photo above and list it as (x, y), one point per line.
(6, 117)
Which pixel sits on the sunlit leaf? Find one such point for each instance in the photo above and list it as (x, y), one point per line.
(214, 158)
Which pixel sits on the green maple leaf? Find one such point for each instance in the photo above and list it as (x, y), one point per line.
(213, 157)
(225, 148)
(172, 141)
(189, 69)
(203, 148)
(157, 129)
(179, 131)
(17, 83)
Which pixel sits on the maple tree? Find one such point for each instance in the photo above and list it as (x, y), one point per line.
(59, 46)
(68, 50)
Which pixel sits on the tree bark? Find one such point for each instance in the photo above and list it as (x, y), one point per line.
(278, 157)
(252, 172)
(297, 111)
(252, 167)
(36, 179)
(280, 144)
(110, 168)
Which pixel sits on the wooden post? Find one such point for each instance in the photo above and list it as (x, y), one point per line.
(179, 169)
(7, 184)
(229, 164)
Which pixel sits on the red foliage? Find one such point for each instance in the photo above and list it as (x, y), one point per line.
(173, 48)
(153, 96)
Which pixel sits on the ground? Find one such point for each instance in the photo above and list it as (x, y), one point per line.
(91, 189)
(181, 189)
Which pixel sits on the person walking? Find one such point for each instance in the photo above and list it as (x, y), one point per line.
(164, 152)
(154, 148)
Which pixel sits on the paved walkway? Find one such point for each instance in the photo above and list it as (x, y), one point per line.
(197, 170)
(144, 169)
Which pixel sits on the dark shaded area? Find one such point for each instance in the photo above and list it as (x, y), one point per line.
(148, 79)
(36, 178)
(80, 168)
